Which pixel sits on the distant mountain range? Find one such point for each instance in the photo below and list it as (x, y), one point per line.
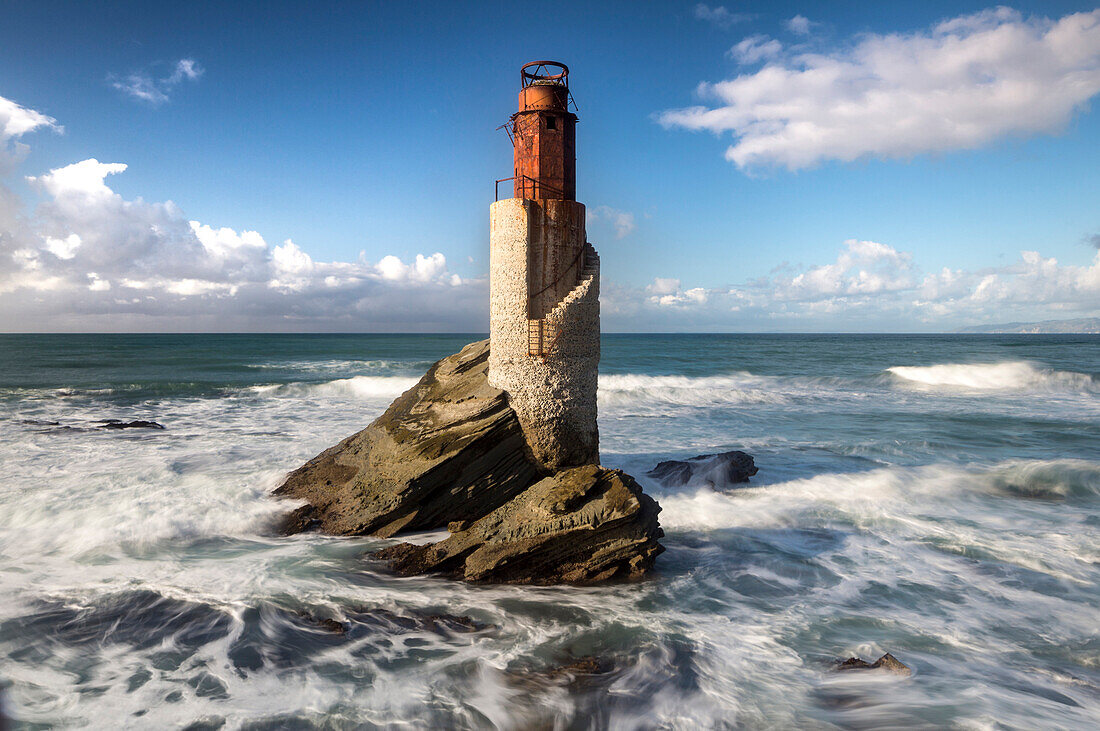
(1089, 325)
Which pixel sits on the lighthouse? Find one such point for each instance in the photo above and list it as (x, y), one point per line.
(544, 280)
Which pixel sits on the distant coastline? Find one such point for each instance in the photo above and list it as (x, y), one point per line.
(1082, 325)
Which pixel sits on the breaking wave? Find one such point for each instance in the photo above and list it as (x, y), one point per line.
(881, 496)
(1012, 375)
(364, 387)
(345, 365)
(741, 388)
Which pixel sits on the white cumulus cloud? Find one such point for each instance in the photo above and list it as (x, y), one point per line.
(85, 257)
(962, 84)
(16, 120)
(868, 286)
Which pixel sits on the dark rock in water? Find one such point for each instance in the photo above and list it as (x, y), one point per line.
(853, 663)
(139, 424)
(891, 664)
(328, 624)
(579, 526)
(673, 473)
(448, 449)
(712, 470)
(297, 521)
(887, 662)
(583, 666)
(576, 673)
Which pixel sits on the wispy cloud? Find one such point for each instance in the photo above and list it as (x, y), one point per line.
(756, 48)
(142, 85)
(720, 15)
(621, 221)
(800, 25)
(962, 84)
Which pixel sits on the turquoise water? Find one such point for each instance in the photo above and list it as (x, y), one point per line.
(937, 497)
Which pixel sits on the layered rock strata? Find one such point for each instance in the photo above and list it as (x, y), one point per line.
(450, 448)
(579, 526)
(451, 453)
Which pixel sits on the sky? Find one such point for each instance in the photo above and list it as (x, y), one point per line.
(747, 166)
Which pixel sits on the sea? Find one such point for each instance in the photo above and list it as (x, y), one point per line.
(936, 497)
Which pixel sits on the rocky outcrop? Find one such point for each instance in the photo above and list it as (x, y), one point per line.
(711, 470)
(887, 662)
(118, 424)
(579, 526)
(450, 452)
(450, 448)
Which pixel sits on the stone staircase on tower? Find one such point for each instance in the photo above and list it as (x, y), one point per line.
(544, 335)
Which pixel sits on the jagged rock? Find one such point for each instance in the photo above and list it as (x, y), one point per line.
(891, 664)
(887, 662)
(448, 449)
(581, 525)
(712, 470)
(853, 663)
(139, 424)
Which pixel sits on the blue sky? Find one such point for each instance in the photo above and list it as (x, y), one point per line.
(824, 177)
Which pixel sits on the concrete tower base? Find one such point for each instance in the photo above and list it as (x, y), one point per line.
(544, 276)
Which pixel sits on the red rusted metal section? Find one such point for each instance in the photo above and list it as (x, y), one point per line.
(544, 134)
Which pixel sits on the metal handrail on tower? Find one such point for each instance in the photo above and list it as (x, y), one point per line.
(535, 185)
(543, 334)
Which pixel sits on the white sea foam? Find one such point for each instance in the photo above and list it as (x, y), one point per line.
(984, 575)
(932, 504)
(1009, 376)
(358, 366)
(739, 388)
(363, 387)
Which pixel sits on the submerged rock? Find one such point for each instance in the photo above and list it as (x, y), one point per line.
(577, 674)
(118, 424)
(450, 448)
(712, 470)
(887, 662)
(582, 525)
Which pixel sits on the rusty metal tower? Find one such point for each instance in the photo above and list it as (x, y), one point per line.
(544, 133)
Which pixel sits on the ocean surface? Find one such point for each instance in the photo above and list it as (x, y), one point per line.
(935, 497)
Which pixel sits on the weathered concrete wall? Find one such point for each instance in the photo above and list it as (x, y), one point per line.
(556, 238)
(531, 243)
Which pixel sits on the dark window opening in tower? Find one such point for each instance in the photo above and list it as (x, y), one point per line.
(551, 123)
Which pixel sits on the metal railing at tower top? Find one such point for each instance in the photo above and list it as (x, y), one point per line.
(530, 185)
(544, 72)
